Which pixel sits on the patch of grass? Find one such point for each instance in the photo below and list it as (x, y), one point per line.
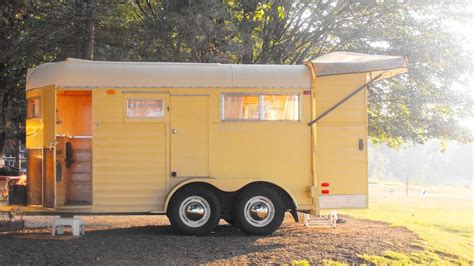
(300, 263)
(325, 263)
(334, 263)
(444, 220)
(389, 257)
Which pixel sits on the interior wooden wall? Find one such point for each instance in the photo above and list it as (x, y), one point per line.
(35, 177)
(74, 115)
(61, 185)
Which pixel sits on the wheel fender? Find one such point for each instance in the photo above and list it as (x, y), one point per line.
(226, 185)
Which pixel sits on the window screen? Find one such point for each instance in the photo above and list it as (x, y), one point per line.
(145, 108)
(241, 107)
(281, 107)
(33, 107)
(261, 107)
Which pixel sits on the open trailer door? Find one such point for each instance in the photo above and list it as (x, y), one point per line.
(40, 144)
(340, 124)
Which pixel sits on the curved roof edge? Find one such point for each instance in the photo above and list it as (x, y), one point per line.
(78, 73)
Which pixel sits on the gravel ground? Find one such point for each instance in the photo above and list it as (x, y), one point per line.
(150, 240)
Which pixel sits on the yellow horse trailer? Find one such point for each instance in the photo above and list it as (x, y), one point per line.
(201, 142)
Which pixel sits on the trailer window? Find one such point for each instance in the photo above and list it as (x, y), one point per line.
(241, 107)
(33, 107)
(145, 108)
(281, 107)
(285, 107)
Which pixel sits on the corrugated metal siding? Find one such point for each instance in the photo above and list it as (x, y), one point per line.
(129, 166)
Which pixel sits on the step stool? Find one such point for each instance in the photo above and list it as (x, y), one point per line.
(76, 224)
(321, 221)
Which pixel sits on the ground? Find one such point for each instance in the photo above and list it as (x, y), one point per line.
(443, 218)
(149, 239)
(434, 227)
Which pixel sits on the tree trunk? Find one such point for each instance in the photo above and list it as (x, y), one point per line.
(247, 26)
(85, 11)
(3, 135)
(89, 38)
(247, 57)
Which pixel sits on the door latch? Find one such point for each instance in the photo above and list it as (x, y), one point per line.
(174, 131)
(361, 144)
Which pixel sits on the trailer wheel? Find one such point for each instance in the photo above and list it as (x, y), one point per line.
(259, 211)
(194, 211)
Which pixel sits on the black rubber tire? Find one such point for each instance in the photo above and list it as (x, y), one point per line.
(239, 205)
(173, 211)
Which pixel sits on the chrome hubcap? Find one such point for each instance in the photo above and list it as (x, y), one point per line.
(194, 211)
(259, 211)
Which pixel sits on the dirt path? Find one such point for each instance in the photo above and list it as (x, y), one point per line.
(149, 239)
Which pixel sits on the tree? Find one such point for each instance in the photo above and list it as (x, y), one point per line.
(33, 33)
(12, 17)
(410, 109)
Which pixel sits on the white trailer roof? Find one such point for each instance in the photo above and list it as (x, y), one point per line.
(77, 73)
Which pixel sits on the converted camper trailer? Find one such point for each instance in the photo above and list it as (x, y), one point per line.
(201, 142)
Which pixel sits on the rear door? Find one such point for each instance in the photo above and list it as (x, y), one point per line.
(189, 136)
(341, 161)
(341, 142)
(41, 146)
(49, 159)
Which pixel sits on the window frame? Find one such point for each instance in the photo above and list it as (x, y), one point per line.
(260, 106)
(127, 117)
(40, 114)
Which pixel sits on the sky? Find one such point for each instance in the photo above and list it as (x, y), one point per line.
(466, 31)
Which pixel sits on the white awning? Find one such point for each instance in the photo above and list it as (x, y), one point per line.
(337, 63)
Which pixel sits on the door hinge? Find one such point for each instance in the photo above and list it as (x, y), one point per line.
(312, 191)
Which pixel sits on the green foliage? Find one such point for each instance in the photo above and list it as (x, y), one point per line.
(412, 108)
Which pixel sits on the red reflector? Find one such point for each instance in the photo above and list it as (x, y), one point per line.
(325, 184)
(306, 92)
(110, 91)
(324, 191)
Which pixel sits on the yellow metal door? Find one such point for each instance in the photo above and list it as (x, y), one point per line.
(41, 141)
(189, 136)
(341, 142)
(129, 150)
(341, 163)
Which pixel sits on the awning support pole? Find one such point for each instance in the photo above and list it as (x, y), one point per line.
(343, 100)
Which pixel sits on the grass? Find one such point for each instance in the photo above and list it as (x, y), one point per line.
(443, 219)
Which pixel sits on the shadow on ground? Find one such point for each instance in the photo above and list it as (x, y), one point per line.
(128, 244)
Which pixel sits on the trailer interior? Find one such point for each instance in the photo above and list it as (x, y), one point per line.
(63, 176)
